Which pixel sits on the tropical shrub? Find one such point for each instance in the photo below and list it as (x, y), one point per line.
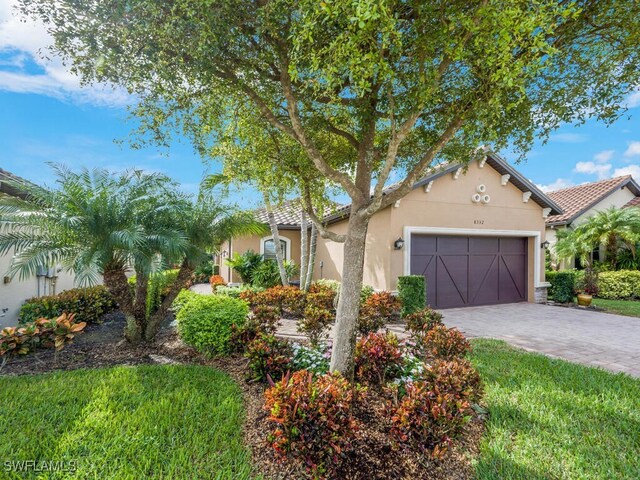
(267, 318)
(421, 321)
(562, 285)
(313, 420)
(428, 418)
(623, 284)
(456, 377)
(87, 304)
(242, 292)
(377, 358)
(322, 296)
(269, 357)
(160, 284)
(443, 342)
(216, 281)
(205, 322)
(181, 300)
(45, 333)
(412, 293)
(313, 359)
(267, 274)
(377, 310)
(245, 264)
(315, 323)
(289, 299)
(203, 272)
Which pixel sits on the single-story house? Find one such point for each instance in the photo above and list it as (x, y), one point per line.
(475, 232)
(14, 291)
(582, 201)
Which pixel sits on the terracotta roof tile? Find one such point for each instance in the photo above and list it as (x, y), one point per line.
(287, 214)
(575, 200)
(634, 202)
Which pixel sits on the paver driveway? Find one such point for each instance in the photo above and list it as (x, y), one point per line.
(591, 338)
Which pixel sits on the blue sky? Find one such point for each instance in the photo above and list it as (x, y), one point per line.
(45, 116)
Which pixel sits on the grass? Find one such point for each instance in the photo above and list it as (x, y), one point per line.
(630, 308)
(160, 422)
(554, 419)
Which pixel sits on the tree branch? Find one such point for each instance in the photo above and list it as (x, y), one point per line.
(308, 208)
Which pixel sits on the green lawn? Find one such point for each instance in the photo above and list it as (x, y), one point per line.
(160, 422)
(553, 419)
(622, 307)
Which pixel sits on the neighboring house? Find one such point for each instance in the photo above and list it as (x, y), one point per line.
(14, 291)
(475, 233)
(580, 202)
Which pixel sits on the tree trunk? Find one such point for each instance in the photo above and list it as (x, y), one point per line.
(136, 329)
(312, 256)
(612, 250)
(276, 241)
(182, 282)
(304, 249)
(349, 302)
(116, 282)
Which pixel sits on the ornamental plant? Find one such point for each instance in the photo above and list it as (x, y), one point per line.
(377, 310)
(288, 299)
(412, 293)
(457, 377)
(428, 419)
(323, 294)
(216, 281)
(269, 357)
(313, 359)
(315, 323)
(267, 318)
(443, 342)
(313, 421)
(378, 358)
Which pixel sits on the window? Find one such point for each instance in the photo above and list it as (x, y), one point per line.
(268, 249)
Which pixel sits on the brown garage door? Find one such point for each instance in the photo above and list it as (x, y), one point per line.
(466, 271)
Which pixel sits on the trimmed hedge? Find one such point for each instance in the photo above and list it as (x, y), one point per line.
(88, 305)
(623, 284)
(562, 285)
(412, 293)
(205, 322)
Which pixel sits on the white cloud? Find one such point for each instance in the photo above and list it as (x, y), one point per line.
(568, 138)
(633, 170)
(21, 42)
(604, 156)
(557, 185)
(593, 168)
(633, 100)
(633, 150)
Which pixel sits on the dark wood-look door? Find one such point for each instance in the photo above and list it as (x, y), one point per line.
(467, 271)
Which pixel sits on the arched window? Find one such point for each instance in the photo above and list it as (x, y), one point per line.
(267, 248)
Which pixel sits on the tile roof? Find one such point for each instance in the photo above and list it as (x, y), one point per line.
(634, 202)
(287, 214)
(7, 188)
(576, 200)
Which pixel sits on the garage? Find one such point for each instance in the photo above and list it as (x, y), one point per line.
(466, 271)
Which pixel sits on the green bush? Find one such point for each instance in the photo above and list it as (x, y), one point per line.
(236, 292)
(182, 299)
(88, 305)
(267, 273)
(623, 284)
(562, 285)
(205, 322)
(412, 293)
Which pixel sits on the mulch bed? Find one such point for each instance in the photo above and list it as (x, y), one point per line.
(374, 457)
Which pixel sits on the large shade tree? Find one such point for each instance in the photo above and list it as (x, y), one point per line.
(403, 84)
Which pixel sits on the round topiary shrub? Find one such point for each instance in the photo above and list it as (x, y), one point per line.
(205, 322)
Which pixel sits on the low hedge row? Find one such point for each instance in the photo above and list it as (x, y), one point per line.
(613, 285)
(87, 304)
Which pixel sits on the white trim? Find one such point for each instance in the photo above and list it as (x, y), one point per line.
(283, 238)
(457, 173)
(475, 232)
(526, 196)
(427, 187)
(483, 161)
(397, 204)
(504, 179)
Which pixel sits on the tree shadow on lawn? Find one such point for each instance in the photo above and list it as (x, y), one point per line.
(550, 418)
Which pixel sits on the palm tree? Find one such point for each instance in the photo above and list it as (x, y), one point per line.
(207, 223)
(97, 225)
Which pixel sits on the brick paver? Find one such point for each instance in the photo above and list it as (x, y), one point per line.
(591, 338)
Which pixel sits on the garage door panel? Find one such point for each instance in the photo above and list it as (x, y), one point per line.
(451, 280)
(483, 283)
(465, 271)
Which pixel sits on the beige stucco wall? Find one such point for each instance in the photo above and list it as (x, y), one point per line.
(447, 205)
(16, 291)
(253, 242)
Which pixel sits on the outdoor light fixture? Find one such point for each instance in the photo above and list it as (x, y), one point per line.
(545, 244)
(398, 244)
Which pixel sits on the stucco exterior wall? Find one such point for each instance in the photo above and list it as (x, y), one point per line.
(16, 291)
(447, 205)
(252, 242)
